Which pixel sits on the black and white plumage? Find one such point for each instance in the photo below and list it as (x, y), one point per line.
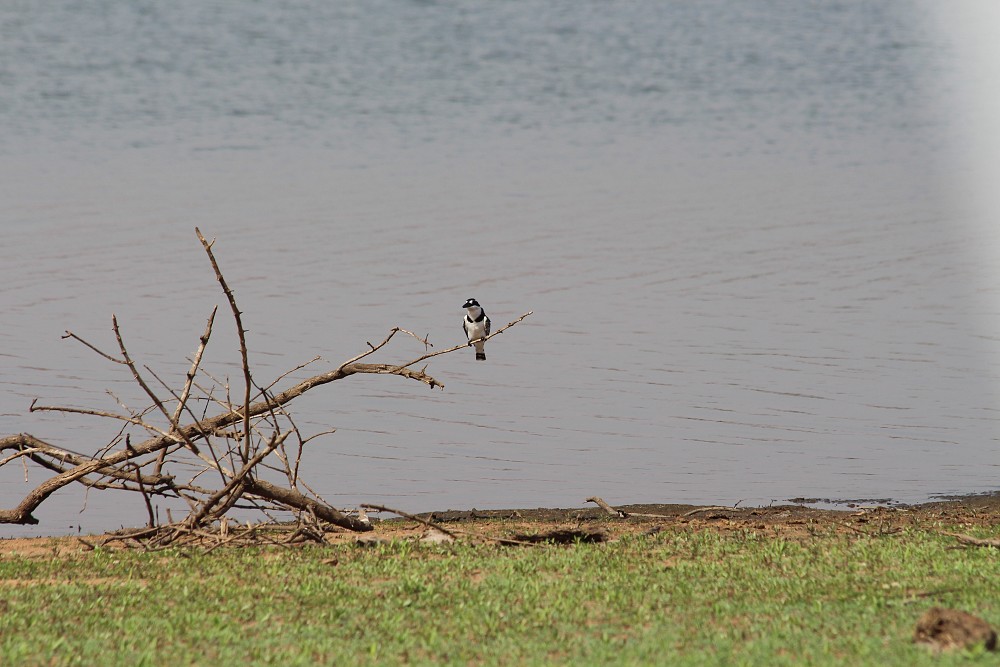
(477, 327)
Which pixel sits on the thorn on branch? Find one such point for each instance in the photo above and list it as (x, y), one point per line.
(425, 340)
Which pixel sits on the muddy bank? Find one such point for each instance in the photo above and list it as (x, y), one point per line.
(859, 516)
(784, 521)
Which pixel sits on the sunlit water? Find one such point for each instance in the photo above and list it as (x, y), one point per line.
(739, 227)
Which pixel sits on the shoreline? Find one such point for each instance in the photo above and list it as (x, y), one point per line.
(784, 521)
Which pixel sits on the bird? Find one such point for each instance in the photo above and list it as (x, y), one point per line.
(476, 326)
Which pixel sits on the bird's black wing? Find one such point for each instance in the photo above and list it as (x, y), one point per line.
(487, 327)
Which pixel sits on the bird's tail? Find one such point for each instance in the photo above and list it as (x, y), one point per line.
(480, 352)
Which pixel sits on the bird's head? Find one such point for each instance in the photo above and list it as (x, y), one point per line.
(471, 303)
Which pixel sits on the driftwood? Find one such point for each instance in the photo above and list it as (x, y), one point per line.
(970, 541)
(620, 514)
(230, 451)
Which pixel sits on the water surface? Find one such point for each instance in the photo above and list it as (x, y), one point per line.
(740, 227)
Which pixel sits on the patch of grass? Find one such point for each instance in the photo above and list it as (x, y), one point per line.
(680, 597)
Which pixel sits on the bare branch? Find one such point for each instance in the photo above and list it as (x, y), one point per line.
(70, 334)
(607, 508)
(100, 413)
(232, 443)
(135, 372)
(22, 513)
(464, 345)
(186, 392)
(36, 449)
(241, 332)
(374, 348)
(289, 372)
(232, 488)
(294, 499)
(424, 340)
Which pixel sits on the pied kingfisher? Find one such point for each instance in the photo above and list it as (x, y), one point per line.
(477, 327)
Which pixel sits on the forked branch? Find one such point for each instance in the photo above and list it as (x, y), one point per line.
(241, 332)
(230, 445)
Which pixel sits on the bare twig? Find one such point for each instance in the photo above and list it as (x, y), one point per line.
(236, 481)
(142, 489)
(241, 332)
(135, 373)
(374, 348)
(70, 334)
(98, 413)
(424, 340)
(287, 373)
(193, 371)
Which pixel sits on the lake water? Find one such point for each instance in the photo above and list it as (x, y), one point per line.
(752, 235)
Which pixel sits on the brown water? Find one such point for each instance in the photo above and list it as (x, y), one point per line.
(752, 274)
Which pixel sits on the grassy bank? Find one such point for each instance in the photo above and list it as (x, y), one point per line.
(686, 595)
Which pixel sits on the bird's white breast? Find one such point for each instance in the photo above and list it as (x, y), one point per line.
(475, 329)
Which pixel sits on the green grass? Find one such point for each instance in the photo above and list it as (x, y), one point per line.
(678, 598)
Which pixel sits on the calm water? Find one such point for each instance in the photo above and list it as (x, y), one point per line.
(743, 229)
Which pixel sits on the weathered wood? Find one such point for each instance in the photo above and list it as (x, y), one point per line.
(23, 512)
(230, 444)
(241, 332)
(971, 541)
(607, 508)
(293, 498)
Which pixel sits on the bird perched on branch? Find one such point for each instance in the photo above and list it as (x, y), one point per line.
(477, 327)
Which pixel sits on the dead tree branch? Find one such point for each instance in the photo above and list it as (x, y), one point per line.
(618, 514)
(232, 445)
(241, 332)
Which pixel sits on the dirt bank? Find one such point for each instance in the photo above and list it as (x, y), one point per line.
(786, 521)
